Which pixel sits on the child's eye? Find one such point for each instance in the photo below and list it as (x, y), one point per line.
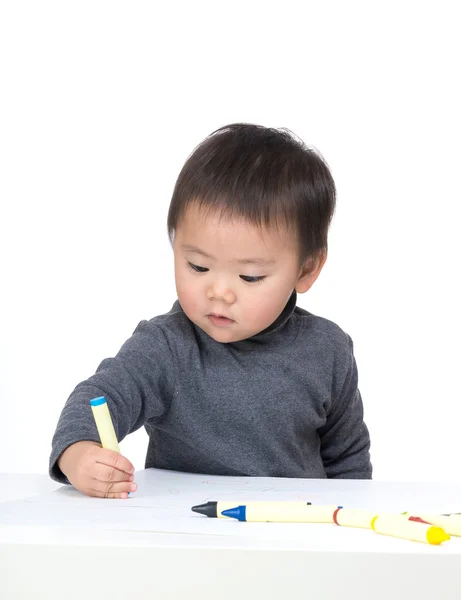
(252, 279)
(196, 268)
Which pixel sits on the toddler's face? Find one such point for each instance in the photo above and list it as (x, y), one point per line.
(233, 280)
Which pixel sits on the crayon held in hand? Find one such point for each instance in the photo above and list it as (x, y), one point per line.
(104, 423)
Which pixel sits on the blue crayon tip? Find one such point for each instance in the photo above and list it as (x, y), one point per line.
(98, 401)
(239, 512)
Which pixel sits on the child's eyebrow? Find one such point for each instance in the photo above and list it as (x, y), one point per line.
(243, 261)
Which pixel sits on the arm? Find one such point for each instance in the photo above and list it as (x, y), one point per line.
(344, 439)
(136, 383)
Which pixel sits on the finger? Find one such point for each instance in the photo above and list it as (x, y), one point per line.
(110, 495)
(107, 490)
(113, 459)
(102, 472)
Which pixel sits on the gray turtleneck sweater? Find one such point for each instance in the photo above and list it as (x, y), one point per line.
(284, 403)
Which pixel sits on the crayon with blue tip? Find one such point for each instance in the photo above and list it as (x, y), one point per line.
(104, 423)
(215, 509)
(283, 512)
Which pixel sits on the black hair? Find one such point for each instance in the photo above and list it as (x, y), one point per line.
(267, 176)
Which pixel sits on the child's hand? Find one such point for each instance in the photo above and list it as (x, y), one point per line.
(96, 471)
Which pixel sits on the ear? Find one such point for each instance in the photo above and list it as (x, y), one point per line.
(310, 271)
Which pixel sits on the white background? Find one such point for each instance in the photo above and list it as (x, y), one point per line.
(100, 105)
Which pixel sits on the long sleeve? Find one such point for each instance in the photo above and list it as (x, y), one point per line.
(345, 441)
(137, 384)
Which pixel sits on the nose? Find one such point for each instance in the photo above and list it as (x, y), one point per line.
(219, 290)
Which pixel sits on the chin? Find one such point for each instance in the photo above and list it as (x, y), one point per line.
(224, 336)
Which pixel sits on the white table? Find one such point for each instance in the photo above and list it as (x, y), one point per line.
(52, 562)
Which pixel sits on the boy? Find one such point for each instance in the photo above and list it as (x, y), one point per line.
(235, 379)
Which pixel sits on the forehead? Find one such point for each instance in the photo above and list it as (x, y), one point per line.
(216, 231)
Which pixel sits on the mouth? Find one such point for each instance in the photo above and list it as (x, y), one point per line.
(219, 320)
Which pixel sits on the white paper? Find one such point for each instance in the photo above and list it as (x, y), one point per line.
(164, 499)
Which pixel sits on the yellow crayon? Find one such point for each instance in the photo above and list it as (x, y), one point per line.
(450, 523)
(104, 423)
(400, 527)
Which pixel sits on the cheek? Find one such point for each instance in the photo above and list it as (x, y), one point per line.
(265, 307)
(187, 293)
(271, 299)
